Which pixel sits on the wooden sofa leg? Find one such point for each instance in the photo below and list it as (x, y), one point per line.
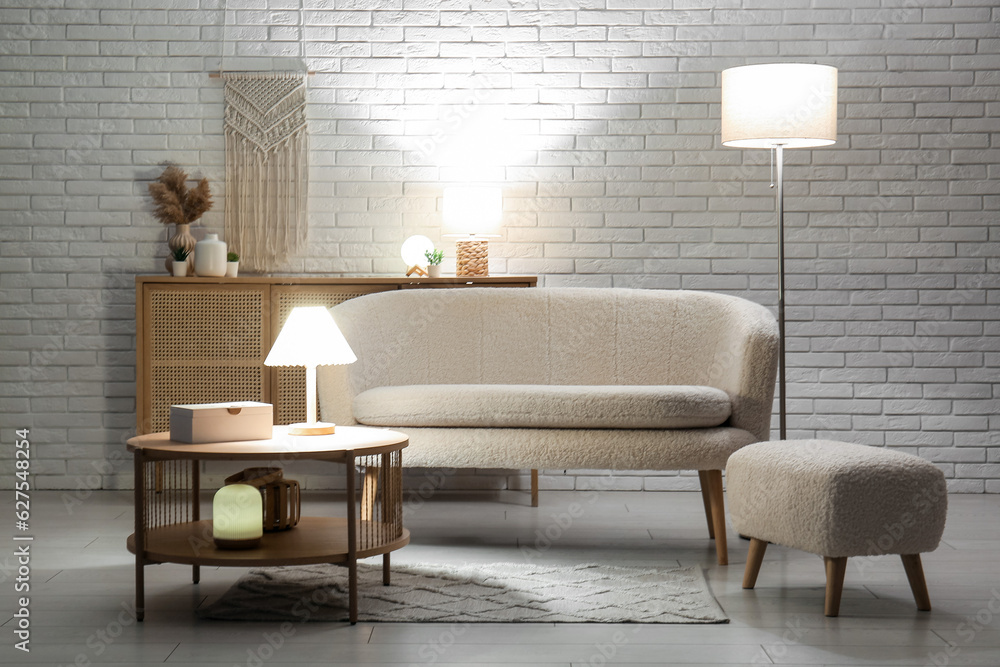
(755, 557)
(718, 515)
(369, 491)
(534, 487)
(836, 568)
(707, 500)
(915, 575)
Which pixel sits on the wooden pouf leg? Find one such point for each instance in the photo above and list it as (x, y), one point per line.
(915, 575)
(755, 556)
(836, 568)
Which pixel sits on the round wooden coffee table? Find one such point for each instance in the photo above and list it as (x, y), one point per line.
(169, 528)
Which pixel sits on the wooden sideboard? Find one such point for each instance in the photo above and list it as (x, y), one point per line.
(204, 340)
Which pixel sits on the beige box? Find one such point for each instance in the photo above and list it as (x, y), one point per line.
(221, 422)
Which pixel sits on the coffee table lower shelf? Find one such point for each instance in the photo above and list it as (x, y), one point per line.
(313, 540)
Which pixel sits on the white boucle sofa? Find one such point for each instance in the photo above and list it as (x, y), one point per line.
(560, 378)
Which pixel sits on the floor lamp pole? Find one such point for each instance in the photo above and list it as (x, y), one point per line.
(780, 196)
(778, 106)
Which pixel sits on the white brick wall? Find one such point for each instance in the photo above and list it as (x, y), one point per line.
(601, 119)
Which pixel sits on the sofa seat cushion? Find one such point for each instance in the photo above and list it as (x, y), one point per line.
(561, 449)
(543, 406)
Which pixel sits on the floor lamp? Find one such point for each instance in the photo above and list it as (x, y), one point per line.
(779, 106)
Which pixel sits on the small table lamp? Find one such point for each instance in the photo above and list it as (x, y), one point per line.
(472, 213)
(310, 338)
(413, 253)
(236, 517)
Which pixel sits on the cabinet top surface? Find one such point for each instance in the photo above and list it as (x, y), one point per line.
(339, 280)
(361, 440)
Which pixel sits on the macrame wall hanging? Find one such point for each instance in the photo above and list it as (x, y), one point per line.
(267, 160)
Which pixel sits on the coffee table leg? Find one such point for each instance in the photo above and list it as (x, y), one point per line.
(352, 575)
(385, 569)
(352, 542)
(195, 509)
(140, 533)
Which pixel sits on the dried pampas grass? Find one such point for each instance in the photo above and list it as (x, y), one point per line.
(174, 202)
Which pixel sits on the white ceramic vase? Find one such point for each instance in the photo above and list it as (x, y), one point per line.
(210, 257)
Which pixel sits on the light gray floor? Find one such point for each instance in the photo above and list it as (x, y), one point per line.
(82, 590)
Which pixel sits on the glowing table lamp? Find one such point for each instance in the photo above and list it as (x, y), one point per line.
(779, 106)
(237, 517)
(413, 251)
(472, 213)
(310, 338)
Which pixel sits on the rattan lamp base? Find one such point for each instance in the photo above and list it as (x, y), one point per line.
(472, 257)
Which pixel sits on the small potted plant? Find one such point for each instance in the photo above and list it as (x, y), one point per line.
(232, 265)
(180, 263)
(434, 258)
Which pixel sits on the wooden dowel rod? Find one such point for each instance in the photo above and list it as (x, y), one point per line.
(218, 75)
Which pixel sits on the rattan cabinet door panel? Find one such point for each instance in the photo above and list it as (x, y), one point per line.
(290, 383)
(202, 344)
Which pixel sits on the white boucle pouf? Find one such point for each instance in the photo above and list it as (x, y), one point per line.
(837, 500)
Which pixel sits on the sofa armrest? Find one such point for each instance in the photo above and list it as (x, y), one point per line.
(746, 367)
(333, 392)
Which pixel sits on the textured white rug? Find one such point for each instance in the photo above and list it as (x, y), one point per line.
(490, 593)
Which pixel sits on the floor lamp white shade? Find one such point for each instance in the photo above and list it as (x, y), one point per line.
(310, 338)
(790, 105)
(779, 106)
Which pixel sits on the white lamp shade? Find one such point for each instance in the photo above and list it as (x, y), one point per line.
(413, 250)
(472, 209)
(310, 337)
(237, 514)
(792, 105)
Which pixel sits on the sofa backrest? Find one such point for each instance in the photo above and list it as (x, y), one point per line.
(577, 336)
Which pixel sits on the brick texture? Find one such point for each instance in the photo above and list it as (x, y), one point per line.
(600, 118)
